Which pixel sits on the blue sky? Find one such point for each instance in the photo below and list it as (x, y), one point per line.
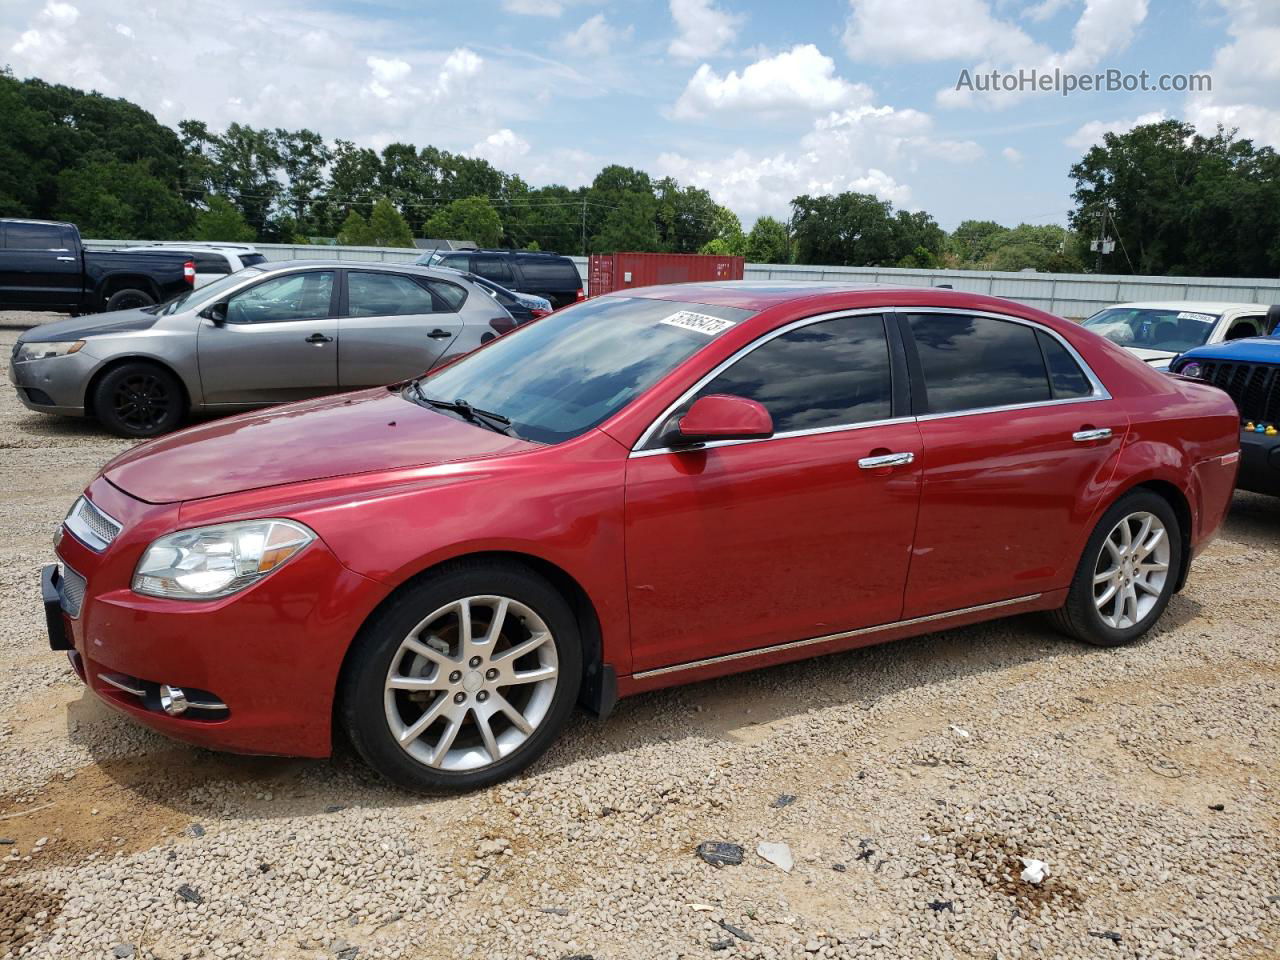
(755, 101)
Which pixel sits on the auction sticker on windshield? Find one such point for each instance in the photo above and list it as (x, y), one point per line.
(1202, 317)
(697, 322)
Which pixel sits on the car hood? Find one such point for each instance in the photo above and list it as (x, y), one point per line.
(313, 440)
(76, 328)
(1157, 358)
(1244, 350)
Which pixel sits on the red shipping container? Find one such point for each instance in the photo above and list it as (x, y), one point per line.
(618, 271)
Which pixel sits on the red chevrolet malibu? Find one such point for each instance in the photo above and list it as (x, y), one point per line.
(642, 490)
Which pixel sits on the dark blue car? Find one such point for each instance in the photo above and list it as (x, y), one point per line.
(1249, 370)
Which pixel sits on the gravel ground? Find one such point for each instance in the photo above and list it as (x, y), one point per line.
(907, 781)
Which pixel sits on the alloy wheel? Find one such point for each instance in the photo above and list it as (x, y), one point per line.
(471, 683)
(142, 401)
(1131, 570)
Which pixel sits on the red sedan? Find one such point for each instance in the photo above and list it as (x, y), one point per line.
(642, 490)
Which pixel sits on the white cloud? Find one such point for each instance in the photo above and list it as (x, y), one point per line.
(503, 148)
(1246, 75)
(1046, 9)
(534, 8)
(124, 30)
(800, 79)
(890, 31)
(1091, 133)
(849, 149)
(704, 30)
(386, 72)
(595, 37)
(1013, 155)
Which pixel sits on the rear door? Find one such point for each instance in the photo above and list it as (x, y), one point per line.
(279, 342)
(1019, 443)
(40, 266)
(393, 326)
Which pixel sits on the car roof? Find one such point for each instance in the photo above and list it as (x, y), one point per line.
(762, 294)
(1197, 306)
(47, 223)
(278, 266)
(200, 245)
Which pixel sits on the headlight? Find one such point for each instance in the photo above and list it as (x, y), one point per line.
(210, 562)
(42, 351)
(1192, 369)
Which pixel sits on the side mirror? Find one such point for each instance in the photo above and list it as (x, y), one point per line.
(720, 416)
(217, 313)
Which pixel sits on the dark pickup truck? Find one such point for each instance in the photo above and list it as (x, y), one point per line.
(44, 266)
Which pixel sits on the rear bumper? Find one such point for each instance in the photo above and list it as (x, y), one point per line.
(1259, 463)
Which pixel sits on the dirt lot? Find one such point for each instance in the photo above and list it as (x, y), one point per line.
(907, 781)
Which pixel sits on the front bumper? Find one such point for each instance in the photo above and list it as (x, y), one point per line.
(55, 384)
(270, 655)
(1259, 463)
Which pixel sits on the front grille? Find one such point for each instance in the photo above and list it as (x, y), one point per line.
(71, 592)
(91, 526)
(1255, 387)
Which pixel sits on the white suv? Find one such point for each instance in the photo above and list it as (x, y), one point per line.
(213, 260)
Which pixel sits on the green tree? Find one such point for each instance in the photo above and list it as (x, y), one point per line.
(109, 199)
(975, 240)
(221, 221)
(304, 157)
(849, 229)
(387, 228)
(629, 226)
(471, 218)
(921, 258)
(728, 238)
(768, 242)
(355, 231)
(685, 216)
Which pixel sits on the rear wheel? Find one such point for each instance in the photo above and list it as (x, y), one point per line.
(464, 679)
(1127, 574)
(139, 399)
(129, 299)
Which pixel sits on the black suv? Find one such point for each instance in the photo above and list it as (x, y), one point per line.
(547, 274)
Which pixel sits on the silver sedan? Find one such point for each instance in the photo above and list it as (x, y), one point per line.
(267, 334)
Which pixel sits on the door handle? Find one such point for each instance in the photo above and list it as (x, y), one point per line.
(886, 460)
(318, 338)
(68, 259)
(1092, 434)
(438, 334)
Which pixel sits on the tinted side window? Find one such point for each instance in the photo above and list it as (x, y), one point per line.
(975, 362)
(827, 374)
(451, 295)
(211, 263)
(495, 269)
(295, 296)
(1066, 379)
(385, 295)
(33, 236)
(460, 261)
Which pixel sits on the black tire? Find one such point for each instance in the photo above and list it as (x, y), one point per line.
(129, 299)
(139, 399)
(362, 694)
(1080, 616)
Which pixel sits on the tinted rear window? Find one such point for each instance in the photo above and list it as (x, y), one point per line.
(252, 259)
(559, 273)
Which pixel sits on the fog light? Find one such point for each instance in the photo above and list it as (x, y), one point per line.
(173, 700)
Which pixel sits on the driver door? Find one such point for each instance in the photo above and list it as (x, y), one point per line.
(279, 342)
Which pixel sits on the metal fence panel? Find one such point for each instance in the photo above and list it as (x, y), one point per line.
(1074, 295)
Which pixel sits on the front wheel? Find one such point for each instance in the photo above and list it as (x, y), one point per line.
(1126, 577)
(464, 679)
(139, 399)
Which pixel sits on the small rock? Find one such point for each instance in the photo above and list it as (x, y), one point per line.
(779, 854)
(334, 808)
(1217, 807)
(196, 830)
(839, 867)
(190, 894)
(558, 911)
(122, 950)
(7, 841)
(42, 841)
(720, 854)
(939, 905)
(736, 931)
(960, 732)
(492, 848)
(783, 800)
(724, 944)
(1106, 935)
(347, 953)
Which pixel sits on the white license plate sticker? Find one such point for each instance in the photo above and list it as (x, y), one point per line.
(697, 322)
(1201, 317)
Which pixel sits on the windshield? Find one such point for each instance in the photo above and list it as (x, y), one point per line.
(1171, 330)
(563, 375)
(209, 292)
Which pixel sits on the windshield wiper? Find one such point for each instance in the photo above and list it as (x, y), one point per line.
(487, 418)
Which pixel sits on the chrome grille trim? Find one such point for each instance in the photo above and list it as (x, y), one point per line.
(121, 684)
(91, 526)
(71, 592)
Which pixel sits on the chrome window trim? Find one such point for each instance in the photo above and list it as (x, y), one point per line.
(832, 637)
(1100, 392)
(640, 446)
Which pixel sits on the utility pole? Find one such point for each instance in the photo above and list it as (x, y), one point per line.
(584, 224)
(1103, 244)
